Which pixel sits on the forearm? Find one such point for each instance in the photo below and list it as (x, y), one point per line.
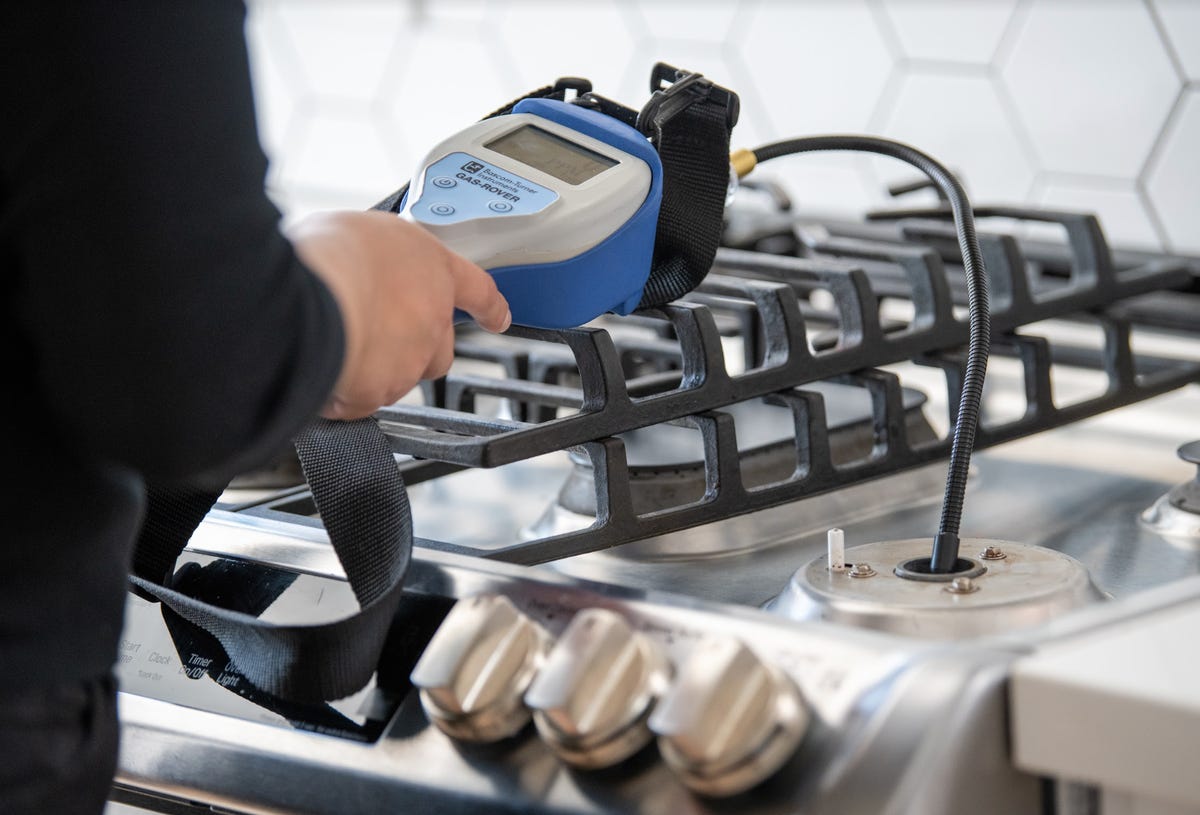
(176, 330)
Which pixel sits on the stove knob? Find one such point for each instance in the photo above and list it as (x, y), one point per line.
(477, 668)
(591, 700)
(730, 721)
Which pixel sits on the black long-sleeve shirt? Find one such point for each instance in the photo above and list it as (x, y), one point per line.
(155, 323)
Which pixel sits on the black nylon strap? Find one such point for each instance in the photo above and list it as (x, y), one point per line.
(251, 589)
(172, 514)
(691, 132)
(361, 498)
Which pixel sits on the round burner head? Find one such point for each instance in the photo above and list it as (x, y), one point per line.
(1001, 586)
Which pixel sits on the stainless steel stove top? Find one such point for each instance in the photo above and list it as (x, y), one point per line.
(700, 530)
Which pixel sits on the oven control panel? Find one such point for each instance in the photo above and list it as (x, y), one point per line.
(724, 720)
(509, 689)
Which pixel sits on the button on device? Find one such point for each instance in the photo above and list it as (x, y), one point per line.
(441, 209)
(445, 182)
(500, 206)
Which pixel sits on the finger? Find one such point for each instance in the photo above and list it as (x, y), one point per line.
(443, 357)
(475, 292)
(331, 410)
(343, 410)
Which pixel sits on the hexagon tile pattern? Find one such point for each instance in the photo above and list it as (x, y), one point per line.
(1181, 23)
(978, 26)
(425, 105)
(1120, 207)
(1174, 178)
(1091, 104)
(687, 20)
(816, 66)
(542, 41)
(342, 153)
(344, 55)
(1092, 84)
(960, 120)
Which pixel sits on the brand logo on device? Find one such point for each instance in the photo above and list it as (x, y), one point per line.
(472, 166)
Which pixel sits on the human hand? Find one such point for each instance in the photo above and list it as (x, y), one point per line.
(397, 287)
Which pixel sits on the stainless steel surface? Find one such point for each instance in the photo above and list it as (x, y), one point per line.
(896, 724)
(730, 721)
(245, 766)
(1029, 587)
(475, 671)
(591, 700)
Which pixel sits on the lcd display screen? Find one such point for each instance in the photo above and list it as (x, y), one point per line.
(559, 157)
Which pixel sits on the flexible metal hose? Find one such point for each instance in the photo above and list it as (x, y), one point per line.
(945, 543)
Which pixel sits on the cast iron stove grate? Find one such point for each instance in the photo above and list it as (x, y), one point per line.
(580, 388)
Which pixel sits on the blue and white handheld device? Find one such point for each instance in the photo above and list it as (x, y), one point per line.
(559, 203)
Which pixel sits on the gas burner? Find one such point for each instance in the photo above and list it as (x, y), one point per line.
(666, 463)
(1176, 515)
(1002, 587)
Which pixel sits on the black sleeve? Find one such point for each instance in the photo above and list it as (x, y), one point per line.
(174, 329)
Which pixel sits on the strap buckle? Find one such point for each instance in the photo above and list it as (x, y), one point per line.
(578, 84)
(609, 107)
(674, 90)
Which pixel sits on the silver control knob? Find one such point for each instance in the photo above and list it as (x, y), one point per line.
(592, 697)
(730, 721)
(477, 667)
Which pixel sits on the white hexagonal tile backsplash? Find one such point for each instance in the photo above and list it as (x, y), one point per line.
(687, 20)
(1179, 21)
(343, 152)
(343, 55)
(961, 120)
(542, 41)
(440, 87)
(1089, 104)
(1092, 84)
(1173, 179)
(1121, 208)
(816, 66)
(921, 26)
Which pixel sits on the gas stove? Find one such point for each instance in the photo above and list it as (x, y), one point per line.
(623, 534)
